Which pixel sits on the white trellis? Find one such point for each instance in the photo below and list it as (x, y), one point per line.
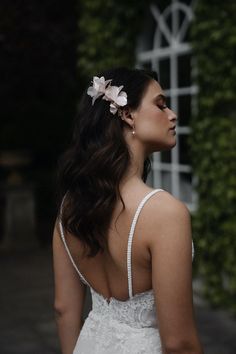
(170, 45)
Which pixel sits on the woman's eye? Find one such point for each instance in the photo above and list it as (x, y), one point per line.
(162, 106)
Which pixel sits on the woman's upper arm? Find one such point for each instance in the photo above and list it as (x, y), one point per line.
(171, 252)
(69, 290)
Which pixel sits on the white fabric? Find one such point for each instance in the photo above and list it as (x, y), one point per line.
(120, 327)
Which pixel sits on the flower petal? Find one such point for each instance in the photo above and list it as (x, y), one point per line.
(112, 92)
(96, 96)
(122, 99)
(91, 92)
(113, 108)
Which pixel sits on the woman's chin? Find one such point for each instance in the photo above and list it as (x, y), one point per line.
(173, 143)
(164, 146)
(170, 144)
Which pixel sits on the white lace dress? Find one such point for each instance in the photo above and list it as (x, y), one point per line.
(120, 327)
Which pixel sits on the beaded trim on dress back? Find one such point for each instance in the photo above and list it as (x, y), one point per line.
(129, 244)
(131, 235)
(70, 256)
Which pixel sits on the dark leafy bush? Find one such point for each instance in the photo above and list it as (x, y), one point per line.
(213, 145)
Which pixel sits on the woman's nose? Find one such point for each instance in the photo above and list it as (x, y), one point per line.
(172, 115)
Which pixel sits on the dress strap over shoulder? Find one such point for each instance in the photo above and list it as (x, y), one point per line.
(130, 238)
(67, 248)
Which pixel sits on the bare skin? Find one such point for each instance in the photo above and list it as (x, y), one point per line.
(161, 251)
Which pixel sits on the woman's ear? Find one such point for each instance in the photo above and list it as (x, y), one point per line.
(127, 116)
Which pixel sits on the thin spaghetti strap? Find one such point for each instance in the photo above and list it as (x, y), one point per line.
(67, 248)
(130, 238)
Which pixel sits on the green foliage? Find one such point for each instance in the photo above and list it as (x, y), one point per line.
(108, 32)
(213, 145)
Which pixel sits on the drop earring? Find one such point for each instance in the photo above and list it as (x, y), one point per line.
(133, 131)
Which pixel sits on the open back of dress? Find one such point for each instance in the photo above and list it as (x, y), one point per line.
(120, 327)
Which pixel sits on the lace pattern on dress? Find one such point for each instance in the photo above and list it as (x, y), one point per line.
(137, 312)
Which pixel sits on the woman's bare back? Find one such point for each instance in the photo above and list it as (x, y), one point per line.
(107, 271)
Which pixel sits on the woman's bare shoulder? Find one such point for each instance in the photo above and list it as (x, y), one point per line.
(166, 214)
(165, 204)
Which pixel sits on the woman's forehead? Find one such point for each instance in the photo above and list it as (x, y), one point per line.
(154, 90)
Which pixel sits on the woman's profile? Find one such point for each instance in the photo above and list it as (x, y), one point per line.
(129, 243)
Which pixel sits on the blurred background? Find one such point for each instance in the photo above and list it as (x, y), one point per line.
(49, 52)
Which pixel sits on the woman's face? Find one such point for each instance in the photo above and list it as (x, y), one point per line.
(154, 121)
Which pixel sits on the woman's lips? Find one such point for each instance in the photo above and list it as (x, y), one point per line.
(173, 129)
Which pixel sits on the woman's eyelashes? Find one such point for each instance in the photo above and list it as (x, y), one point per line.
(160, 102)
(162, 106)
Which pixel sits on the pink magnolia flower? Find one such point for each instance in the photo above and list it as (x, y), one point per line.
(98, 88)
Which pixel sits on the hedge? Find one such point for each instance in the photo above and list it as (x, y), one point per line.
(213, 147)
(108, 32)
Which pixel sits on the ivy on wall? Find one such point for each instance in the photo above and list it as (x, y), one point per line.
(213, 145)
(108, 31)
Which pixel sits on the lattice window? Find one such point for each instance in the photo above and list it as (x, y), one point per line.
(167, 51)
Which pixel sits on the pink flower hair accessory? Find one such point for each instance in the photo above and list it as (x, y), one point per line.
(113, 94)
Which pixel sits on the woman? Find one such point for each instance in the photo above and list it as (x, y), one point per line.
(129, 243)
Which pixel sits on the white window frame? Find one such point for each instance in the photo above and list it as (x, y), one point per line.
(176, 47)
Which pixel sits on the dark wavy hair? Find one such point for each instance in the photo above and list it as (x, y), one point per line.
(92, 168)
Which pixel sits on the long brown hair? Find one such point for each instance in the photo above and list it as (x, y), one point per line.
(91, 169)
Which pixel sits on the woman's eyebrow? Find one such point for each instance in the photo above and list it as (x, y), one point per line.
(160, 96)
